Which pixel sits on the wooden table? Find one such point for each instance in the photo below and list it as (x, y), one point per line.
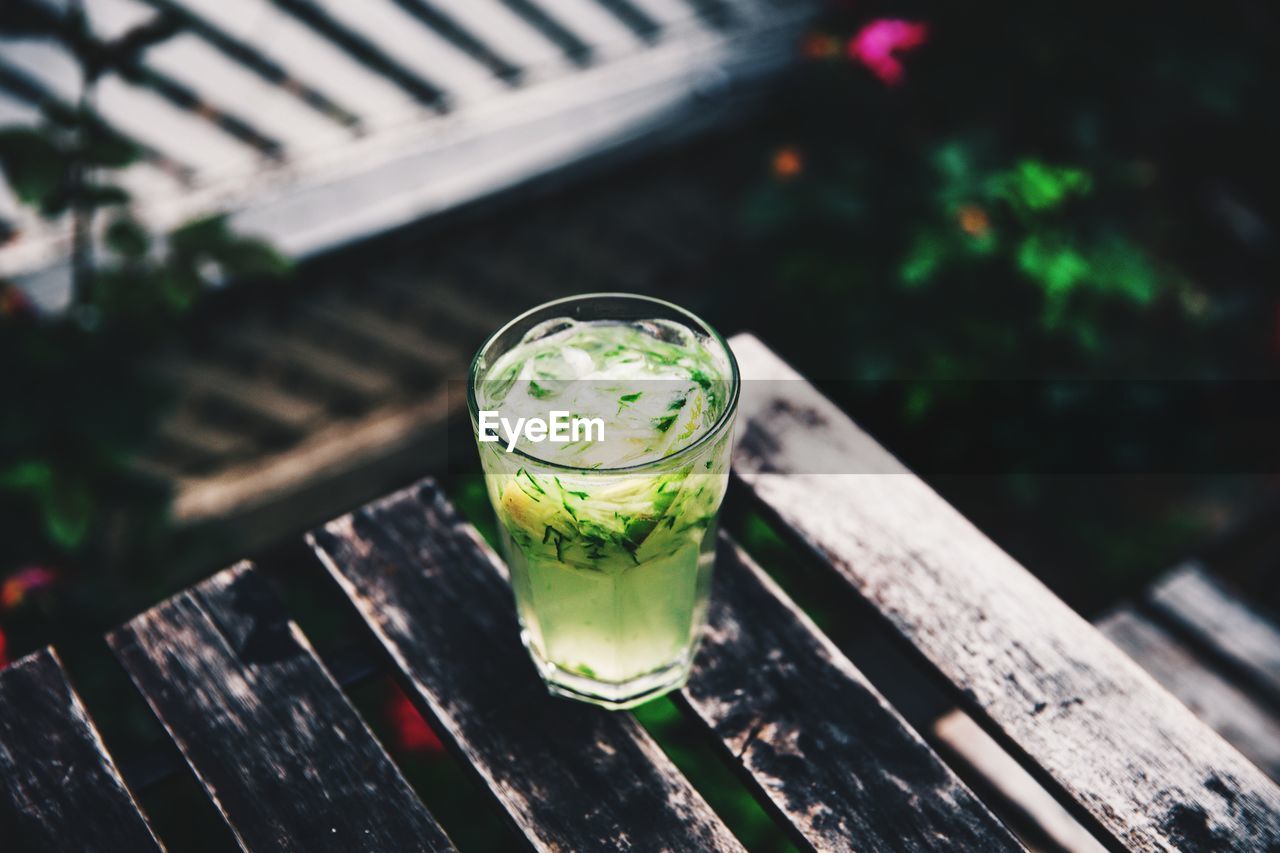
(290, 764)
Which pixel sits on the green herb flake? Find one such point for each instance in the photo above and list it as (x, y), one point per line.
(550, 534)
(664, 423)
(579, 495)
(533, 482)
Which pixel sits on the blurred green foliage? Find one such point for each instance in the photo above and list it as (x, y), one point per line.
(1045, 193)
(78, 401)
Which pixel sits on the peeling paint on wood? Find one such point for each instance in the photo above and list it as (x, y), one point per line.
(1131, 759)
(570, 776)
(270, 735)
(59, 789)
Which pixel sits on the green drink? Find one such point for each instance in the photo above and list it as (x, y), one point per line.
(608, 514)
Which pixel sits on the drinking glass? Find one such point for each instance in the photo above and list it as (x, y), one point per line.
(610, 610)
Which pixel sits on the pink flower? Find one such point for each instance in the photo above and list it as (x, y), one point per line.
(23, 583)
(878, 44)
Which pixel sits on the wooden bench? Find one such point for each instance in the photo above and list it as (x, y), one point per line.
(290, 765)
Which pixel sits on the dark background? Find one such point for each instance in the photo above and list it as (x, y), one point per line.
(1034, 253)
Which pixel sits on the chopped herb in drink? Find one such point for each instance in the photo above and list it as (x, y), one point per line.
(608, 566)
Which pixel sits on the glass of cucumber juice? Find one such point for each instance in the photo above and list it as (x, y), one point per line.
(608, 517)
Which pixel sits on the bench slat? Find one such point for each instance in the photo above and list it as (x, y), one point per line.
(59, 789)
(819, 741)
(571, 777)
(1128, 756)
(1215, 700)
(277, 746)
(1224, 624)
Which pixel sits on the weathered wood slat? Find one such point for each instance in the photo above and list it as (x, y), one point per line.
(59, 789)
(345, 375)
(191, 436)
(1239, 719)
(279, 749)
(1225, 625)
(570, 776)
(259, 399)
(836, 761)
(1010, 790)
(1133, 760)
(1235, 715)
(436, 299)
(401, 340)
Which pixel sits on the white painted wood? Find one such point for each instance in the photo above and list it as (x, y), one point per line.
(234, 89)
(531, 130)
(111, 19)
(594, 25)
(179, 134)
(416, 46)
(11, 210)
(309, 57)
(17, 113)
(410, 163)
(510, 36)
(47, 62)
(673, 15)
(146, 184)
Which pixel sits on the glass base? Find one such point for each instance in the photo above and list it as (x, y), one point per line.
(614, 695)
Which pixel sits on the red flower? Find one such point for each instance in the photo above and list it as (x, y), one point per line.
(412, 732)
(820, 46)
(878, 44)
(14, 302)
(23, 583)
(4, 646)
(787, 163)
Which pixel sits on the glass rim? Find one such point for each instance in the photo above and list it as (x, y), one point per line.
(726, 417)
